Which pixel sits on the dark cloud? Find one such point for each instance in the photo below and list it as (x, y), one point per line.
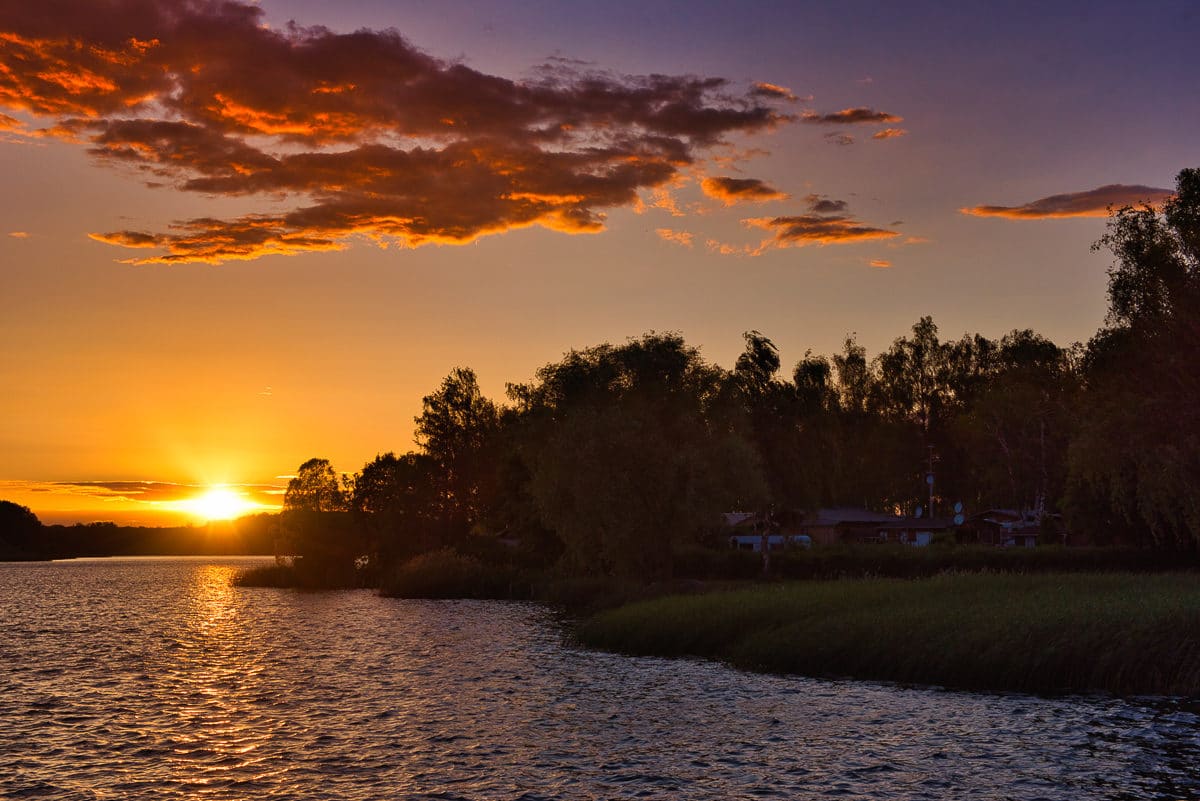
(1092, 203)
(839, 138)
(851, 116)
(737, 190)
(820, 204)
(368, 134)
(808, 229)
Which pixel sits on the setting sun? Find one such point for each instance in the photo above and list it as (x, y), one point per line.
(219, 503)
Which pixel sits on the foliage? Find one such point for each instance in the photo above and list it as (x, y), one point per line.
(1135, 463)
(317, 529)
(395, 500)
(455, 430)
(314, 488)
(20, 532)
(1017, 429)
(624, 459)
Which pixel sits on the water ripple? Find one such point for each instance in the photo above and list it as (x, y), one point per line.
(147, 678)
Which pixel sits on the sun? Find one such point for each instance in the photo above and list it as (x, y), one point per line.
(220, 503)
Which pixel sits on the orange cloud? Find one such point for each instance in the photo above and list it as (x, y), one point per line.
(851, 116)
(889, 133)
(683, 238)
(727, 249)
(660, 198)
(736, 190)
(770, 90)
(19, 234)
(367, 135)
(881, 263)
(1092, 203)
(809, 229)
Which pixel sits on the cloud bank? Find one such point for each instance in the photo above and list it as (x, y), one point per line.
(361, 134)
(1092, 203)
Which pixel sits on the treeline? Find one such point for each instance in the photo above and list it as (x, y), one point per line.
(23, 537)
(611, 459)
(617, 458)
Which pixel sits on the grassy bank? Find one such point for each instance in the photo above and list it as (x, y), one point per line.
(1120, 633)
(896, 561)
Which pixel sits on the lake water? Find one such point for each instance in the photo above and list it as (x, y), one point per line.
(157, 679)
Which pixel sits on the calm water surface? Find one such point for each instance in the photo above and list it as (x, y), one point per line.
(154, 678)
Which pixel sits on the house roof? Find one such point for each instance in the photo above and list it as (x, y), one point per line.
(847, 514)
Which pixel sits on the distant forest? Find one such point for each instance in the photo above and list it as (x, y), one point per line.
(614, 457)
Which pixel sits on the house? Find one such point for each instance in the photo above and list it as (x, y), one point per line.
(862, 526)
(833, 526)
(748, 541)
(746, 533)
(1004, 528)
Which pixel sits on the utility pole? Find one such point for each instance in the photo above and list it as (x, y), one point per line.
(929, 481)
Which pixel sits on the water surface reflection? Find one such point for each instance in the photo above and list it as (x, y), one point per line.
(157, 679)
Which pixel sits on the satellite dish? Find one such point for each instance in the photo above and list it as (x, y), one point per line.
(929, 479)
(958, 519)
(919, 512)
(958, 507)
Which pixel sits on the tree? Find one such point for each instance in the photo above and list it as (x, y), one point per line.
(911, 377)
(627, 454)
(623, 492)
(813, 378)
(1135, 461)
(317, 527)
(1015, 430)
(455, 429)
(315, 488)
(20, 531)
(396, 502)
(853, 376)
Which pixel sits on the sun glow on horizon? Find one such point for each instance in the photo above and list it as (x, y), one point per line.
(219, 503)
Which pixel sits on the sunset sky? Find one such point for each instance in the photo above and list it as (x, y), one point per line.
(232, 242)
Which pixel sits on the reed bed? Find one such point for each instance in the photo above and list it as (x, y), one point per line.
(1125, 634)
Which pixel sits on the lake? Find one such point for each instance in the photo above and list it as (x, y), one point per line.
(155, 678)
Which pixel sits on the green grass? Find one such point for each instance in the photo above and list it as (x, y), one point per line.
(1120, 633)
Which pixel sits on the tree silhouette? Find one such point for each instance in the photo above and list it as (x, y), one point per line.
(315, 488)
(456, 428)
(1135, 463)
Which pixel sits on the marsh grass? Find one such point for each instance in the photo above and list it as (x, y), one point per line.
(273, 575)
(896, 561)
(448, 574)
(1053, 633)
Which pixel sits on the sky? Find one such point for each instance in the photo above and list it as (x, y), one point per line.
(234, 236)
